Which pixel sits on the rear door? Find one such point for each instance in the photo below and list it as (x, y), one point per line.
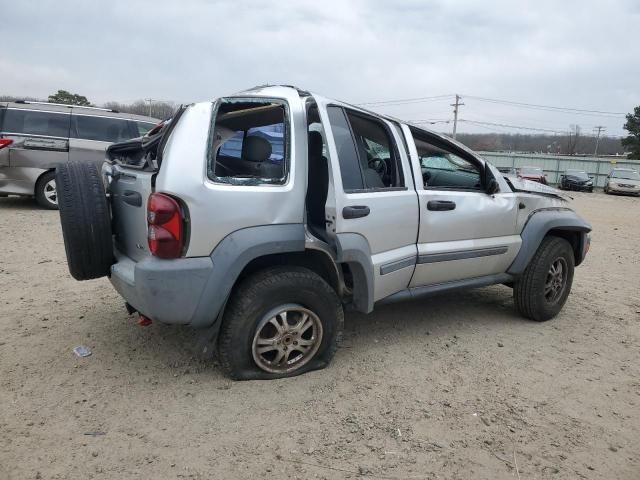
(374, 195)
(464, 232)
(92, 134)
(40, 138)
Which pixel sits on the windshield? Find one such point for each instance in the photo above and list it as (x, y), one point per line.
(626, 174)
(580, 175)
(530, 171)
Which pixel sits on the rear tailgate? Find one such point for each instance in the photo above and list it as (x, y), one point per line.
(130, 170)
(129, 190)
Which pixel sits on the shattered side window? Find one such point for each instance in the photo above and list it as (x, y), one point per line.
(250, 143)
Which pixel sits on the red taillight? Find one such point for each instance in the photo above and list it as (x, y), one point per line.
(5, 142)
(166, 232)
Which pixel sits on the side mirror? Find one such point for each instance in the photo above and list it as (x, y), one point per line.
(492, 186)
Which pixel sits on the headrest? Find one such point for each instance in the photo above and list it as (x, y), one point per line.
(315, 143)
(256, 149)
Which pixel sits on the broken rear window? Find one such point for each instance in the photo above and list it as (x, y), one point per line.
(250, 143)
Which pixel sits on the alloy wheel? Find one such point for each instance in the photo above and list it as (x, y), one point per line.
(50, 192)
(286, 338)
(556, 280)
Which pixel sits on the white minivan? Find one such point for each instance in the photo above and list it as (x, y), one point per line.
(35, 137)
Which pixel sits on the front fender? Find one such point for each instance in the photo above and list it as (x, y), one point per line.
(353, 249)
(539, 224)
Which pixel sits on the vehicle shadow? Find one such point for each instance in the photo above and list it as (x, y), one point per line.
(19, 203)
(443, 314)
(180, 348)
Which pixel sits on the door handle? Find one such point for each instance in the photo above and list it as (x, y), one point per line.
(441, 205)
(355, 211)
(132, 198)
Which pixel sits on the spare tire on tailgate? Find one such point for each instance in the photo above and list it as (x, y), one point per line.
(85, 219)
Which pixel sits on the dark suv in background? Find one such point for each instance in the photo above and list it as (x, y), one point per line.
(35, 137)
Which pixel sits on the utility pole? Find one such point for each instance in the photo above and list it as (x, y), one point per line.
(149, 100)
(599, 129)
(455, 114)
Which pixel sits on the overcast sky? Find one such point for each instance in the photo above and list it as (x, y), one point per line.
(580, 54)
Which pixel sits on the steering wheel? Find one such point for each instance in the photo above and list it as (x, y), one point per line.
(380, 166)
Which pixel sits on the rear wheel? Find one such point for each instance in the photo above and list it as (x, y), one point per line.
(85, 220)
(46, 192)
(542, 290)
(280, 322)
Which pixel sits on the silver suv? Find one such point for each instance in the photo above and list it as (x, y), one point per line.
(37, 136)
(260, 216)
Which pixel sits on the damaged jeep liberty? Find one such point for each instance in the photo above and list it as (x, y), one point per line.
(261, 216)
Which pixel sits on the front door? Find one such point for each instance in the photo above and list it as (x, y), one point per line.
(374, 196)
(464, 232)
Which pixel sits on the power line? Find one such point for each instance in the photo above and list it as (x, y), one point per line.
(505, 125)
(406, 100)
(431, 121)
(534, 106)
(522, 127)
(580, 111)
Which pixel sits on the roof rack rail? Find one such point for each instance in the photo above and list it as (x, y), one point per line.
(65, 105)
(301, 92)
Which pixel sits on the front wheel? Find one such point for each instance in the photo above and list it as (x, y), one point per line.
(542, 290)
(280, 322)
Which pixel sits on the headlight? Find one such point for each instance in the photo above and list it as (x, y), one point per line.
(589, 183)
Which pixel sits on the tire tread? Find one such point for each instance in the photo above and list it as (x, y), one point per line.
(524, 292)
(85, 220)
(246, 294)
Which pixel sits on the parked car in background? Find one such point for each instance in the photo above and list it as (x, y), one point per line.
(532, 173)
(37, 136)
(576, 180)
(623, 180)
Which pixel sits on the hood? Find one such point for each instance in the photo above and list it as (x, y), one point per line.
(523, 185)
(573, 178)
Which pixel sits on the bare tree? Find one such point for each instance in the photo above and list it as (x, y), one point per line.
(572, 141)
(156, 109)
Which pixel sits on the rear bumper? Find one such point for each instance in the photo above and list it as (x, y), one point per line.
(166, 291)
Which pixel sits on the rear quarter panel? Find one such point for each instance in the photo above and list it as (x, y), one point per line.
(215, 209)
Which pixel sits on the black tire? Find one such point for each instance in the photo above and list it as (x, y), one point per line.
(256, 298)
(85, 219)
(45, 197)
(529, 290)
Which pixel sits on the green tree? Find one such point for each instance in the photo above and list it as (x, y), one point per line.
(62, 96)
(632, 141)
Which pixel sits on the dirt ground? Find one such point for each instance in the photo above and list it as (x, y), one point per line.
(454, 387)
